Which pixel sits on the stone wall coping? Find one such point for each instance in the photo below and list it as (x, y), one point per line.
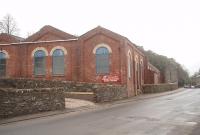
(81, 93)
(159, 84)
(71, 82)
(30, 90)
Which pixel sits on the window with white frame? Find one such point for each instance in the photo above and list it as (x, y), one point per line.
(39, 63)
(102, 60)
(129, 66)
(58, 65)
(2, 64)
(142, 69)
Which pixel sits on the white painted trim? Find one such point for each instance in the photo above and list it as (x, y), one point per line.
(102, 45)
(51, 41)
(6, 53)
(39, 48)
(129, 53)
(129, 58)
(141, 62)
(58, 47)
(136, 58)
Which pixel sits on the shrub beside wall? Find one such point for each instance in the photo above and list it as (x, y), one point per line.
(15, 102)
(155, 88)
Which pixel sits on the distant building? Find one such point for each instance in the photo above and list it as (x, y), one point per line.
(152, 75)
(7, 38)
(196, 80)
(170, 74)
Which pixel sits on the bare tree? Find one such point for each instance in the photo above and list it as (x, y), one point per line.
(1, 26)
(8, 25)
(29, 34)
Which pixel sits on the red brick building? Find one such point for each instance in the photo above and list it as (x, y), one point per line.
(98, 56)
(153, 75)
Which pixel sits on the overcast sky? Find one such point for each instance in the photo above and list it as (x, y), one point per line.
(167, 27)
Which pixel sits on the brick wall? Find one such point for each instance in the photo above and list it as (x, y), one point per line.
(80, 60)
(88, 63)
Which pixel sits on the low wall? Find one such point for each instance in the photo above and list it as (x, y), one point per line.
(155, 88)
(108, 93)
(102, 92)
(15, 102)
(30, 83)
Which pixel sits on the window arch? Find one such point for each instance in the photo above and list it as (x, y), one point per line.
(39, 49)
(39, 62)
(142, 69)
(102, 45)
(58, 62)
(102, 60)
(129, 64)
(2, 64)
(58, 47)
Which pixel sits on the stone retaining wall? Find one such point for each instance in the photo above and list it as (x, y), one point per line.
(30, 83)
(15, 102)
(155, 88)
(108, 93)
(102, 92)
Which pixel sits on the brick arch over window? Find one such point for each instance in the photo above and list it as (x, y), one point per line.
(39, 48)
(6, 53)
(60, 48)
(102, 45)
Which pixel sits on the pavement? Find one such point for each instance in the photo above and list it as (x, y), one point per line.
(77, 103)
(172, 113)
(78, 106)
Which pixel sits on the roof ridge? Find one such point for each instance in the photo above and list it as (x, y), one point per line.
(50, 29)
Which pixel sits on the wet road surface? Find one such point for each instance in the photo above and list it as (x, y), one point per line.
(176, 114)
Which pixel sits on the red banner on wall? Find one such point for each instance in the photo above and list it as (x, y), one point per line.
(110, 78)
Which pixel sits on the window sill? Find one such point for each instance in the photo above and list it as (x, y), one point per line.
(58, 75)
(39, 76)
(100, 74)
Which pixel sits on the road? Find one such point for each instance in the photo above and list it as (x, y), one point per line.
(176, 114)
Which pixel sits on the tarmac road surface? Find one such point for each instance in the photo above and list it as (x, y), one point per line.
(176, 114)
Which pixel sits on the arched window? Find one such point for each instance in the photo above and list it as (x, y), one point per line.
(2, 64)
(58, 62)
(142, 68)
(39, 63)
(102, 60)
(129, 66)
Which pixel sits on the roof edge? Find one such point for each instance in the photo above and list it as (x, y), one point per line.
(50, 41)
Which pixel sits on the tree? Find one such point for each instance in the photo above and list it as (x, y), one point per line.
(161, 62)
(8, 25)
